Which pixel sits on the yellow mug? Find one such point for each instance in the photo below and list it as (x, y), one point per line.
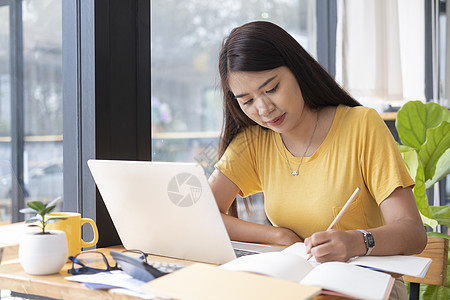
(72, 227)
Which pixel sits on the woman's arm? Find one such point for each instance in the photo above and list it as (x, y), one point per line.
(403, 233)
(225, 191)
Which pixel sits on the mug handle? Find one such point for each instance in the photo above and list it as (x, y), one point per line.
(94, 228)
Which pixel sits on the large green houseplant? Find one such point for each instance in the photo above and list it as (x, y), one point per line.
(424, 130)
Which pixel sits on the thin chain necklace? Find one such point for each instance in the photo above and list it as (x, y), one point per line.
(295, 173)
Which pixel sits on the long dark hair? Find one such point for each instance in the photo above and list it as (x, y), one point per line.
(260, 46)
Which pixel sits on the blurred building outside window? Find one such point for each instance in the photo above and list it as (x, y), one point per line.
(186, 99)
(40, 61)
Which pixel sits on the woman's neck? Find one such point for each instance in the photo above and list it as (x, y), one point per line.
(311, 132)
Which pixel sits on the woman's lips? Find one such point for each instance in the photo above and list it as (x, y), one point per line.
(277, 121)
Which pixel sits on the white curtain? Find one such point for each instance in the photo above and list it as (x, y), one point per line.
(380, 50)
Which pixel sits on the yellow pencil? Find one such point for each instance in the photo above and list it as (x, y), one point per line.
(347, 204)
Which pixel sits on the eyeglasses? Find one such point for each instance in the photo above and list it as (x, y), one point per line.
(139, 254)
(132, 262)
(91, 262)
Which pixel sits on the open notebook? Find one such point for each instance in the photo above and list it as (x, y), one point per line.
(166, 209)
(289, 275)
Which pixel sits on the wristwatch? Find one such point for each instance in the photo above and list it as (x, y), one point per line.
(368, 240)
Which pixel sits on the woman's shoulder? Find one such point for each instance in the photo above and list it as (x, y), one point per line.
(254, 131)
(253, 136)
(358, 110)
(357, 113)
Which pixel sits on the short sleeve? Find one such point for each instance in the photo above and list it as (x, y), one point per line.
(383, 167)
(238, 162)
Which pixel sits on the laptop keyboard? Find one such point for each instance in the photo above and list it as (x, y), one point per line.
(242, 252)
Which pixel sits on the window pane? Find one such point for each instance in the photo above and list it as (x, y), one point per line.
(186, 37)
(5, 118)
(42, 42)
(42, 102)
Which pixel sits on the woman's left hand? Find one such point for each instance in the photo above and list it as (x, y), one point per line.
(335, 245)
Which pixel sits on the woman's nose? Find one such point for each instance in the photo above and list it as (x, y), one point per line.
(265, 106)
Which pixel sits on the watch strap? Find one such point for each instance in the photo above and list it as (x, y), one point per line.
(368, 241)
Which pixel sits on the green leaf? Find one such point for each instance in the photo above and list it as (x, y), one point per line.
(47, 210)
(415, 170)
(37, 205)
(428, 291)
(411, 160)
(439, 234)
(28, 210)
(437, 143)
(53, 202)
(35, 225)
(429, 221)
(441, 214)
(415, 117)
(442, 169)
(33, 219)
(420, 194)
(53, 220)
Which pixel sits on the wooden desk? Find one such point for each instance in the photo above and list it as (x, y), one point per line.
(14, 278)
(389, 116)
(9, 240)
(10, 234)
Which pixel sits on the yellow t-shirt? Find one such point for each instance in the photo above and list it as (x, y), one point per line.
(359, 151)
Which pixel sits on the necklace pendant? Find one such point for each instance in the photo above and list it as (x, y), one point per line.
(294, 173)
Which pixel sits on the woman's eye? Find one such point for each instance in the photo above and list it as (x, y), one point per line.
(248, 102)
(273, 90)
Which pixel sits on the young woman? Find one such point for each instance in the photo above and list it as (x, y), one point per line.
(292, 133)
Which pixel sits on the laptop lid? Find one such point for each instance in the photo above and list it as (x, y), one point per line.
(163, 208)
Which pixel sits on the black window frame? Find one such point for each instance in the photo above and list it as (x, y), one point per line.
(106, 84)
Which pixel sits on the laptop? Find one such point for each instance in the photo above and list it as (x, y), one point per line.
(166, 208)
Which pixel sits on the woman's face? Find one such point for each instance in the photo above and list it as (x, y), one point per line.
(270, 98)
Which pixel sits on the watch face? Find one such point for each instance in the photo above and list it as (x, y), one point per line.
(370, 240)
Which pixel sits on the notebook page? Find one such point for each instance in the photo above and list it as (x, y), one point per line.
(274, 264)
(350, 280)
(401, 264)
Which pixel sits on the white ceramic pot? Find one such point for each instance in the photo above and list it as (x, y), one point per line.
(43, 254)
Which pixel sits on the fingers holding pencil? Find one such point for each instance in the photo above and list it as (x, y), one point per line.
(338, 217)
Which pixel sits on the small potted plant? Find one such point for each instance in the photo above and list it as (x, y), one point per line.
(42, 252)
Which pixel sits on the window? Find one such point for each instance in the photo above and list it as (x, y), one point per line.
(5, 100)
(186, 39)
(380, 51)
(30, 104)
